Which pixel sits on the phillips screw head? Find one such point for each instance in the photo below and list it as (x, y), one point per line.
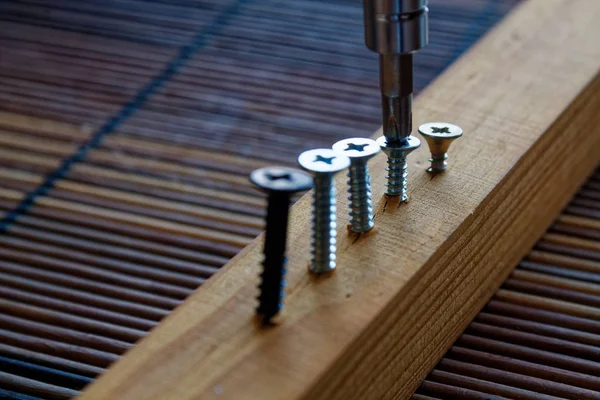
(439, 137)
(323, 161)
(281, 179)
(357, 148)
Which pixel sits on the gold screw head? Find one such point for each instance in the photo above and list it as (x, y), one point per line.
(439, 137)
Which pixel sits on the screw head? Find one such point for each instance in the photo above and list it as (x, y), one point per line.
(357, 148)
(440, 130)
(281, 179)
(409, 145)
(439, 136)
(323, 161)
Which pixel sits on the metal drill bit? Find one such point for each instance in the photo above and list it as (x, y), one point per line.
(396, 84)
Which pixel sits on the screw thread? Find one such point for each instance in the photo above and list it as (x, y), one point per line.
(361, 205)
(396, 178)
(438, 162)
(270, 299)
(324, 225)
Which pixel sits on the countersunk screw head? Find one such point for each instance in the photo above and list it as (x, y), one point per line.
(357, 148)
(281, 179)
(324, 161)
(439, 137)
(394, 150)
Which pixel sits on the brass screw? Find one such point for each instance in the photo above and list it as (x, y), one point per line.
(439, 137)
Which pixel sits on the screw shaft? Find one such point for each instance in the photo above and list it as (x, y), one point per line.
(361, 205)
(438, 162)
(324, 224)
(396, 179)
(272, 278)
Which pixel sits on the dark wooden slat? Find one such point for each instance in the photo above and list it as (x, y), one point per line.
(569, 251)
(88, 258)
(167, 238)
(147, 246)
(23, 270)
(93, 247)
(557, 346)
(86, 271)
(544, 316)
(525, 368)
(43, 374)
(560, 271)
(444, 391)
(584, 212)
(421, 397)
(134, 310)
(486, 386)
(80, 354)
(50, 361)
(553, 292)
(75, 309)
(58, 333)
(170, 194)
(82, 324)
(230, 227)
(530, 354)
(582, 201)
(539, 329)
(515, 380)
(36, 388)
(9, 395)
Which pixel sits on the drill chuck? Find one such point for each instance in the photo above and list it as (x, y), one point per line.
(396, 26)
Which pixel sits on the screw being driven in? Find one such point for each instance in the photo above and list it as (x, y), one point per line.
(359, 150)
(439, 137)
(397, 182)
(279, 183)
(323, 163)
(395, 29)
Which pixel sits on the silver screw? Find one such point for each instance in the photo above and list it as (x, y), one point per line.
(359, 150)
(323, 163)
(396, 179)
(439, 137)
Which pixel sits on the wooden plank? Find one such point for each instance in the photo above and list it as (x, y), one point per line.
(526, 97)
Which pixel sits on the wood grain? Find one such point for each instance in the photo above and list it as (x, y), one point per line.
(526, 97)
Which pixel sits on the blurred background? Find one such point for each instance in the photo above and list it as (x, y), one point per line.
(127, 132)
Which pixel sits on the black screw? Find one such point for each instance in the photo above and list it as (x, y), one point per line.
(279, 183)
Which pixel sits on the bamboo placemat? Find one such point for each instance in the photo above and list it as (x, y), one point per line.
(127, 131)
